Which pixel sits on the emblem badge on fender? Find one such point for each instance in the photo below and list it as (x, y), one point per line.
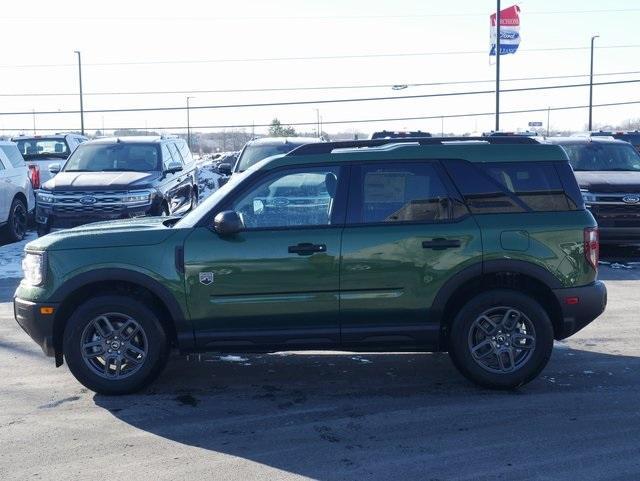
(206, 278)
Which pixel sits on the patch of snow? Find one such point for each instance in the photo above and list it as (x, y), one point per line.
(364, 361)
(11, 256)
(587, 372)
(230, 358)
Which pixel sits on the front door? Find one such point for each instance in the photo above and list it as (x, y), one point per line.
(275, 284)
(406, 234)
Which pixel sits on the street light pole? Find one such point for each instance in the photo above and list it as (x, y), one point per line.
(498, 66)
(591, 85)
(81, 100)
(188, 124)
(318, 122)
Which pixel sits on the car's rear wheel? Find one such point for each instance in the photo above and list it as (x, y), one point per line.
(115, 344)
(16, 227)
(501, 339)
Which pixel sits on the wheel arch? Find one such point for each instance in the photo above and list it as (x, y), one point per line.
(71, 294)
(521, 276)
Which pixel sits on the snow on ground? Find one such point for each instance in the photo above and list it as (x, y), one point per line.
(11, 257)
(208, 179)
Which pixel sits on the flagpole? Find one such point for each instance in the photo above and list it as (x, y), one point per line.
(498, 66)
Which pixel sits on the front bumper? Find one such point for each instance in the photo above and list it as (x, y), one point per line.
(591, 302)
(38, 326)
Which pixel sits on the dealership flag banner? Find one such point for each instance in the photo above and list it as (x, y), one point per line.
(509, 30)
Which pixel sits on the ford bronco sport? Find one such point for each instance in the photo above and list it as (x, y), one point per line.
(482, 248)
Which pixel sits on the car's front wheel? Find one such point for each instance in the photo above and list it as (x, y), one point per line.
(501, 339)
(115, 344)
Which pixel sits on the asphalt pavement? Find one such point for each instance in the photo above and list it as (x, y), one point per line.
(333, 416)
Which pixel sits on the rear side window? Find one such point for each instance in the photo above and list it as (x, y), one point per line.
(399, 192)
(511, 187)
(13, 154)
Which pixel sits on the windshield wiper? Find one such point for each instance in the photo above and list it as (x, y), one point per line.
(122, 170)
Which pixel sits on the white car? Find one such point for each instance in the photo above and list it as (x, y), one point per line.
(16, 192)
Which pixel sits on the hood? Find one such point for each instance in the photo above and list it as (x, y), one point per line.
(116, 233)
(607, 181)
(100, 180)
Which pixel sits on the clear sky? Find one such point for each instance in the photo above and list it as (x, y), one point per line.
(43, 32)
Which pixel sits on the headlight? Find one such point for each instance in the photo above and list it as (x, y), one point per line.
(588, 197)
(33, 266)
(45, 197)
(137, 198)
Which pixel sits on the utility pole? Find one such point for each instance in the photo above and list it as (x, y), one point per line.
(498, 66)
(591, 85)
(318, 122)
(548, 117)
(81, 100)
(441, 126)
(189, 124)
(34, 121)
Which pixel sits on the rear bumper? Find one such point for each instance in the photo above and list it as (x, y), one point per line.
(620, 235)
(38, 326)
(591, 302)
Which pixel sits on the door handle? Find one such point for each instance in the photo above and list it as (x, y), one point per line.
(307, 248)
(440, 244)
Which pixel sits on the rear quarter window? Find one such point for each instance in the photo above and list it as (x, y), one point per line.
(511, 187)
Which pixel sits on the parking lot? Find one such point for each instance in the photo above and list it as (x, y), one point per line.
(334, 416)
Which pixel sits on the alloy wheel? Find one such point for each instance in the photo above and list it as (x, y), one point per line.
(501, 340)
(19, 220)
(114, 345)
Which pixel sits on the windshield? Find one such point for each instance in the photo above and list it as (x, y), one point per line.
(194, 216)
(34, 148)
(120, 157)
(254, 153)
(595, 156)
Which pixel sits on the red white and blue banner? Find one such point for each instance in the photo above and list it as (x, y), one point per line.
(509, 30)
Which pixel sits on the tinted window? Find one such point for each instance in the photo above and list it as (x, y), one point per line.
(184, 150)
(175, 153)
(291, 198)
(510, 186)
(254, 153)
(116, 157)
(12, 152)
(600, 156)
(400, 192)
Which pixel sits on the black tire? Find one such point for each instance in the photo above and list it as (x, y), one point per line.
(17, 221)
(465, 329)
(156, 342)
(42, 229)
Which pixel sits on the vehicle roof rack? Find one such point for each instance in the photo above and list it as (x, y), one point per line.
(328, 147)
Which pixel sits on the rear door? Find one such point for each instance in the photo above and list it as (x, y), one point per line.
(407, 233)
(6, 191)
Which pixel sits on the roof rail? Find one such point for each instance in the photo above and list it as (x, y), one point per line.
(328, 147)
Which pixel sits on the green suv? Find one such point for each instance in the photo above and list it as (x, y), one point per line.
(479, 247)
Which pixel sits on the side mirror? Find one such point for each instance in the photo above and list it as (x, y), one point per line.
(173, 167)
(54, 168)
(228, 222)
(224, 169)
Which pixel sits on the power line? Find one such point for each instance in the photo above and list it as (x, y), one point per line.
(315, 17)
(319, 101)
(321, 57)
(308, 88)
(352, 121)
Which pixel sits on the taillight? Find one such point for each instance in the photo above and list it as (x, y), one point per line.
(34, 176)
(592, 246)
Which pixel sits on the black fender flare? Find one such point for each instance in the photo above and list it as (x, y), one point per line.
(183, 326)
(481, 268)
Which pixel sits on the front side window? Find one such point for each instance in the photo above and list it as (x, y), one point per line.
(118, 157)
(177, 157)
(292, 198)
(400, 192)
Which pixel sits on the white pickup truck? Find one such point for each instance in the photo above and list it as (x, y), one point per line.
(45, 151)
(16, 193)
